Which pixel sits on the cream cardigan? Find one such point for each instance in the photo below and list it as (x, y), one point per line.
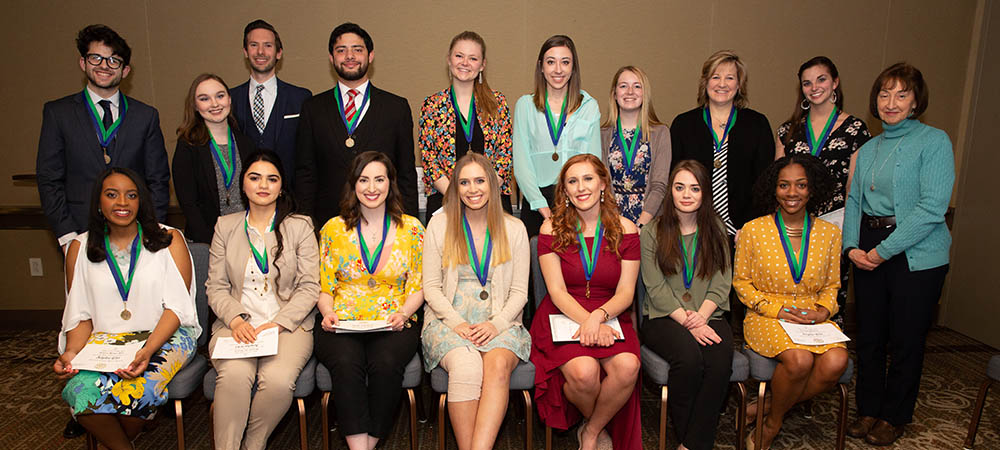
(509, 285)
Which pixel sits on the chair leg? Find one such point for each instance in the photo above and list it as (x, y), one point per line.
(325, 413)
(441, 423)
(759, 430)
(663, 418)
(528, 419)
(741, 415)
(970, 440)
(179, 415)
(548, 437)
(413, 418)
(303, 436)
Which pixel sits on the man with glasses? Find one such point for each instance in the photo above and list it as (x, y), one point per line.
(87, 132)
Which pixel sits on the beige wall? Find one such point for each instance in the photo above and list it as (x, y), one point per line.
(174, 41)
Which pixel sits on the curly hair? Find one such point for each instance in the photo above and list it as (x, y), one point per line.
(566, 219)
(821, 183)
(154, 237)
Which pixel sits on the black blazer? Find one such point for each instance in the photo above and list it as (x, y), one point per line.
(751, 150)
(279, 131)
(196, 186)
(322, 159)
(70, 159)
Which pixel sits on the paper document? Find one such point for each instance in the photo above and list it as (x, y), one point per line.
(106, 357)
(822, 334)
(360, 326)
(563, 328)
(835, 217)
(265, 345)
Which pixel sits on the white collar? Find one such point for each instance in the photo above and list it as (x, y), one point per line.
(271, 85)
(115, 98)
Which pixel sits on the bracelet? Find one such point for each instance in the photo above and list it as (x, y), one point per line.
(606, 315)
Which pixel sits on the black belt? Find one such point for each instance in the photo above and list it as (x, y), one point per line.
(878, 223)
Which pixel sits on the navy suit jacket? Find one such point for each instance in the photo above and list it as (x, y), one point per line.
(279, 131)
(70, 159)
(323, 159)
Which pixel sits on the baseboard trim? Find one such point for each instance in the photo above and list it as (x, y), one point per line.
(30, 319)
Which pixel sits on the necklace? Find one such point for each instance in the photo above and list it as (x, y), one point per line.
(793, 232)
(878, 149)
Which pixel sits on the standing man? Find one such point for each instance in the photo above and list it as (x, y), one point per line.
(266, 108)
(87, 132)
(351, 118)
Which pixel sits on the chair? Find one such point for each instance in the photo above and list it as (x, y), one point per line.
(992, 374)
(412, 377)
(521, 379)
(762, 369)
(304, 386)
(540, 291)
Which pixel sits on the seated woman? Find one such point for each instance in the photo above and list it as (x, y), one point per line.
(686, 270)
(370, 263)
(249, 297)
(589, 257)
(476, 284)
(133, 285)
(208, 158)
(788, 269)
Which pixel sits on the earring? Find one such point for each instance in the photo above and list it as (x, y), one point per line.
(805, 105)
(602, 195)
(480, 77)
(567, 201)
(833, 98)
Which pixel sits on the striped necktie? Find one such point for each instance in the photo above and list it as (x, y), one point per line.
(349, 109)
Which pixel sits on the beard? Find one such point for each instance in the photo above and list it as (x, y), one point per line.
(357, 74)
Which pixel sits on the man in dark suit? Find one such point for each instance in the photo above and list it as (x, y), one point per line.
(266, 108)
(87, 132)
(378, 121)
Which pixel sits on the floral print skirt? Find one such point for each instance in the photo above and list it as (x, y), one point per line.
(91, 392)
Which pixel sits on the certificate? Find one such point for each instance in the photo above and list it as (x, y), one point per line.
(361, 326)
(106, 357)
(265, 345)
(835, 217)
(563, 328)
(822, 334)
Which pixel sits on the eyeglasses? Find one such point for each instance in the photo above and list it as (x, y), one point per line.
(94, 59)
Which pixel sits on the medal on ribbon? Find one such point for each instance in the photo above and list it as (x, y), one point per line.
(467, 124)
(589, 259)
(628, 146)
(816, 145)
(797, 266)
(706, 115)
(352, 124)
(124, 283)
(480, 266)
(370, 259)
(226, 169)
(105, 136)
(690, 260)
(259, 257)
(555, 128)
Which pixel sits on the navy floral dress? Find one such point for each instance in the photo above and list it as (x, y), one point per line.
(629, 186)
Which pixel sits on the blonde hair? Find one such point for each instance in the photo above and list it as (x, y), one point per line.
(647, 116)
(742, 99)
(485, 99)
(455, 250)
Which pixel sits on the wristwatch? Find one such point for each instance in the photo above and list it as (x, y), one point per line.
(607, 316)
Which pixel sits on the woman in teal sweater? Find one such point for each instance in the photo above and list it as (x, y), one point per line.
(895, 234)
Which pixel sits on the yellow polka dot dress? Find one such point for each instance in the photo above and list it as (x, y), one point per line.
(764, 282)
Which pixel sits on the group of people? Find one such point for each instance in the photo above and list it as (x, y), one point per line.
(679, 217)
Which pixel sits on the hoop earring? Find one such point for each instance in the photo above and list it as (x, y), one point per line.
(480, 77)
(833, 98)
(805, 105)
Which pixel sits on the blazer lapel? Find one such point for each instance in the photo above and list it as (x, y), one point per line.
(86, 124)
(277, 112)
(241, 252)
(371, 119)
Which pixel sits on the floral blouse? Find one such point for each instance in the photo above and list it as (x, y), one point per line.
(343, 275)
(836, 154)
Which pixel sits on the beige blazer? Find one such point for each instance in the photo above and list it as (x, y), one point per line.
(509, 285)
(298, 289)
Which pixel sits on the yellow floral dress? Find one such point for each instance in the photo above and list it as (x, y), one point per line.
(343, 275)
(764, 282)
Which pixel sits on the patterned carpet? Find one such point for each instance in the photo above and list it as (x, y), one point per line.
(33, 414)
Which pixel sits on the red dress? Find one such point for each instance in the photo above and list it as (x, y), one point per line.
(553, 407)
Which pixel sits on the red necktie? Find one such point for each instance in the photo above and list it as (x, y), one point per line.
(349, 110)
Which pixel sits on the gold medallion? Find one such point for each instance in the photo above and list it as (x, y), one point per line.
(484, 295)
(371, 283)
(686, 297)
(717, 164)
(555, 156)
(349, 142)
(107, 157)
(126, 315)
(588, 289)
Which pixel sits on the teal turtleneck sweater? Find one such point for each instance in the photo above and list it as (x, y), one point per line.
(914, 172)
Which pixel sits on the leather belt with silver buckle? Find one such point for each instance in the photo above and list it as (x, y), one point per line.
(880, 222)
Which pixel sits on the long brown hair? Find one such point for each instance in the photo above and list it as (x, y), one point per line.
(486, 102)
(713, 244)
(797, 122)
(566, 219)
(572, 88)
(350, 207)
(455, 249)
(647, 116)
(742, 99)
(193, 129)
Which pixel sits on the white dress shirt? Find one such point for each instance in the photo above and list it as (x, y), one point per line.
(258, 288)
(269, 94)
(360, 98)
